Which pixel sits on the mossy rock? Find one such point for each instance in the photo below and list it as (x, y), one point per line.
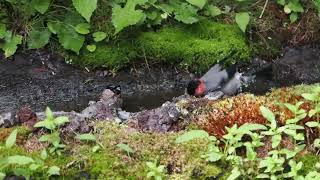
(198, 46)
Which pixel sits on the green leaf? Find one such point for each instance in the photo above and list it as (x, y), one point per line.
(40, 5)
(61, 120)
(85, 7)
(53, 170)
(281, 2)
(86, 137)
(214, 10)
(247, 127)
(49, 113)
(317, 5)
(2, 175)
(186, 13)
(11, 44)
(2, 30)
(99, 36)
(44, 154)
(193, 134)
(11, 140)
(38, 39)
(83, 28)
(235, 173)
(125, 148)
(295, 6)
(313, 124)
(198, 3)
(276, 139)
(19, 160)
(293, 17)
(34, 167)
(316, 143)
(127, 16)
(242, 19)
(309, 97)
(91, 47)
(54, 26)
(70, 39)
(312, 112)
(266, 113)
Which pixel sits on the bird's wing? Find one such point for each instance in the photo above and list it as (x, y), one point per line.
(214, 70)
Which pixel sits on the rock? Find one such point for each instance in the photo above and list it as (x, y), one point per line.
(27, 117)
(104, 109)
(214, 95)
(298, 65)
(8, 120)
(161, 119)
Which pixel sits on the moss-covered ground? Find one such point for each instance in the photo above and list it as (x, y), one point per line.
(181, 161)
(197, 47)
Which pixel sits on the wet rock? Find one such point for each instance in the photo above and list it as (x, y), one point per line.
(27, 117)
(105, 107)
(298, 65)
(161, 119)
(8, 120)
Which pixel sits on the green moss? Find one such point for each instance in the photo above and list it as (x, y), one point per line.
(309, 163)
(198, 46)
(112, 162)
(113, 56)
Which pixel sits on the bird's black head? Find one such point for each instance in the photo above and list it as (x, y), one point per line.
(192, 86)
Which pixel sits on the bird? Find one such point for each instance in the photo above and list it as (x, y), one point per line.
(214, 80)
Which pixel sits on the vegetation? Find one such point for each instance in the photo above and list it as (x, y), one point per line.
(275, 149)
(104, 26)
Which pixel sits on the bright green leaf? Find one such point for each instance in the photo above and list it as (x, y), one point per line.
(70, 39)
(38, 39)
(44, 154)
(53, 170)
(214, 10)
(86, 137)
(276, 139)
(293, 17)
(313, 124)
(11, 45)
(127, 16)
(19, 160)
(61, 120)
(83, 28)
(95, 148)
(186, 13)
(11, 140)
(91, 47)
(193, 134)
(85, 7)
(40, 5)
(99, 36)
(242, 20)
(198, 3)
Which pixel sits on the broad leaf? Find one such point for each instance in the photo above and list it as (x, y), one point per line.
(40, 5)
(70, 39)
(266, 113)
(61, 120)
(310, 97)
(214, 10)
(83, 28)
(11, 45)
(44, 154)
(126, 16)
(38, 39)
(85, 7)
(198, 3)
(99, 36)
(53, 170)
(86, 137)
(193, 134)
(186, 13)
(242, 19)
(295, 6)
(313, 124)
(276, 139)
(19, 160)
(91, 47)
(11, 140)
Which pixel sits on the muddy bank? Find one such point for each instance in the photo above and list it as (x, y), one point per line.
(40, 79)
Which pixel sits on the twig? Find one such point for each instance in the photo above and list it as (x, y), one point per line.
(264, 8)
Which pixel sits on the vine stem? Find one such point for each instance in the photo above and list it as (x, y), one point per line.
(264, 8)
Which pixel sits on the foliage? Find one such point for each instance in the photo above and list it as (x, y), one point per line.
(22, 165)
(155, 171)
(90, 137)
(125, 148)
(51, 123)
(252, 136)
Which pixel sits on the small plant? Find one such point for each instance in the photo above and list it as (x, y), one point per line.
(51, 123)
(90, 137)
(24, 165)
(125, 148)
(155, 171)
